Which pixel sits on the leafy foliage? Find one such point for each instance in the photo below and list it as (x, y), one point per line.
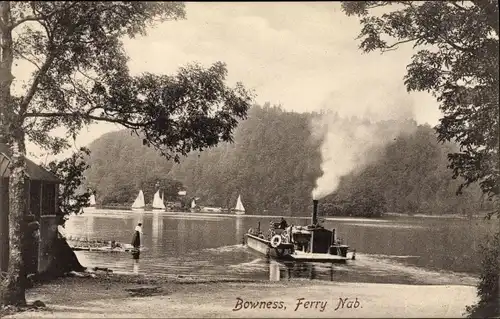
(457, 61)
(363, 202)
(70, 172)
(81, 76)
(488, 288)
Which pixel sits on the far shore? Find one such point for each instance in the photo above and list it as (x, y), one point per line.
(444, 216)
(126, 209)
(109, 296)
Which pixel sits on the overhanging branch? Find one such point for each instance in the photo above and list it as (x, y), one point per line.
(42, 17)
(127, 124)
(394, 45)
(490, 11)
(34, 85)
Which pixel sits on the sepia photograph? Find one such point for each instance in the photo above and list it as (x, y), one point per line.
(204, 159)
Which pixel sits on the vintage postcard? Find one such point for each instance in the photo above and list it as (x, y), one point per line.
(249, 159)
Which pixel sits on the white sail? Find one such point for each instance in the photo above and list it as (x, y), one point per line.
(239, 205)
(92, 200)
(157, 201)
(193, 204)
(139, 201)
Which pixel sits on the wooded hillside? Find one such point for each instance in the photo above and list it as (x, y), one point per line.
(273, 163)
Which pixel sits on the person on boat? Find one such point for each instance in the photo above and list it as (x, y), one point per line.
(283, 223)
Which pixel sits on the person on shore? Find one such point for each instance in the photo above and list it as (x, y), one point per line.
(30, 241)
(61, 231)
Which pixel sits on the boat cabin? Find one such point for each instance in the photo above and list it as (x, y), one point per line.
(316, 239)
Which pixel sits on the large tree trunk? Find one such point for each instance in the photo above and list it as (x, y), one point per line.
(11, 133)
(16, 277)
(6, 59)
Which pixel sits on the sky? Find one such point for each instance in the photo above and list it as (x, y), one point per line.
(303, 56)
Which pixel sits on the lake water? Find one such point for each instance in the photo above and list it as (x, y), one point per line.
(389, 250)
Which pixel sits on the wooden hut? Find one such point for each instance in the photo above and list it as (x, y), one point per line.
(41, 193)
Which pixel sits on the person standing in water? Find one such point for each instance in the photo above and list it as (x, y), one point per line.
(136, 243)
(136, 239)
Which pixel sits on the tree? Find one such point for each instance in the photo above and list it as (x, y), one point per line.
(81, 77)
(457, 60)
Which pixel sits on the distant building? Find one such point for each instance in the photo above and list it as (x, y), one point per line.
(41, 194)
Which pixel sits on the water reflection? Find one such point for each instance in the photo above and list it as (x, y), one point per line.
(274, 271)
(157, 231)
(289, 270)
(89, 227)
(182, 234)
(239, 228)
(136, 266)
(137, 218)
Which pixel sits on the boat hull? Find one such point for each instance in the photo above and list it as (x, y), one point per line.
(239, 212)
(286, 252)
(138, 209)
(263, 246)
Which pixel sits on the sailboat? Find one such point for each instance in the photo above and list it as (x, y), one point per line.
(239, 209)
(139, 202)
(158, 202)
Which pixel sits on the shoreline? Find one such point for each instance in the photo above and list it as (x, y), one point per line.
(112, 296)
(117, 210)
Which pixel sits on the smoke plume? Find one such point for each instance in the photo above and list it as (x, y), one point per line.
(353, 137)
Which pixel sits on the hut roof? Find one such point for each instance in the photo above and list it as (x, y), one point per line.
(34, 171)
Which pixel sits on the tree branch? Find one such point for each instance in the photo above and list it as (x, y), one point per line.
(392, 46)
(454, 45)
(34, 86)
(127, 124)
(26, 58)
(41, 17)
(490, 11)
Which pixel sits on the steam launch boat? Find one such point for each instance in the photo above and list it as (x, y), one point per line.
(311, 243)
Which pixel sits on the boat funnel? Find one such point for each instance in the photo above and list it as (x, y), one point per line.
(314, 219)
